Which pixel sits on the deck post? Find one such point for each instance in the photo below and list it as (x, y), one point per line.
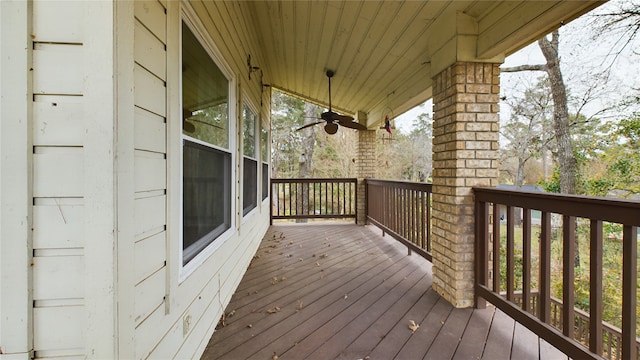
(465, 154)
(365, 169)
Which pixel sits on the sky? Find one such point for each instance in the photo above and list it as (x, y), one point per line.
(581, 56)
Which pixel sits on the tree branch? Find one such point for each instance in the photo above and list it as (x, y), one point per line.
(540, 67)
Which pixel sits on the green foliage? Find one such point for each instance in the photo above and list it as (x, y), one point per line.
(332, 155)
(287, 114)
(406, 156)
(553, 184)
(620, 162)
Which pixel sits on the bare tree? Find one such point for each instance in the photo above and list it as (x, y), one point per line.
(305, 163)
(526, 130)
(566, 158)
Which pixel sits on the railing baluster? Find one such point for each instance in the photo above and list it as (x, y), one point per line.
(333, 210)
(326, 198)
(595, 287)
(496, 248)
(482, 249)
(290, 208)
(428, 225)
(544, 280)
(526, 261)
(510, 253)
(629, 289)
(568, 277)
(344, 197)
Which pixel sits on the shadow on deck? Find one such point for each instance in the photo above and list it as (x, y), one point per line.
(342, 291)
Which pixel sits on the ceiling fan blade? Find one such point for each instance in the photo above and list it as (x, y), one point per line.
(309, 125)
(333, 116)
(352, 125)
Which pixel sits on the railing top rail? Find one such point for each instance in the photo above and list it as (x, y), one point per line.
(310, 180)
(607, 209)
(411, 185)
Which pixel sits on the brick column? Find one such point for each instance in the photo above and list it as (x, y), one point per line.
(365, 168)
(465, 154)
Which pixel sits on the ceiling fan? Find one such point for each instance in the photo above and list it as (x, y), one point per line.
(334, 119)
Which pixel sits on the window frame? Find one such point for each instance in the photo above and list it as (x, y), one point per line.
(209, 47)
(256, 158)
(265, 160)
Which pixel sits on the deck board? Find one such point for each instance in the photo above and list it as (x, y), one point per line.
(527, 348)
(475, 335)
(346, 292)
(500, 337)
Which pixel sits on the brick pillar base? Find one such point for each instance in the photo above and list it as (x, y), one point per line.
(365, 169)
(465, 154)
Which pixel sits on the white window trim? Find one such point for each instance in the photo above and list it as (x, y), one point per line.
(256, 135)
(189, 17)
(267, 161)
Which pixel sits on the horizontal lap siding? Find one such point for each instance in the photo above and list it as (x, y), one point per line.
(150, 174)
(212, 286)
(199, 299)
(58, 175)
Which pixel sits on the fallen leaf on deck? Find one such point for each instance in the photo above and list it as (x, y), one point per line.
(275, 356)
(283, 278)
(274, 310)
(290, 255)
(249, 326)
(274, 281)
(345, 296)
(317, 263)
(300, 305)
(233, 312)
(413, 326)
(323, 256)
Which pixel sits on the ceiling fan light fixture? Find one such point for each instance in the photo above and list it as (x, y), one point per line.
(331, 128)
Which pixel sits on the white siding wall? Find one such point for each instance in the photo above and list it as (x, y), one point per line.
(15, 185)
(73, 179)
(99, 135)
(150, 174)
(176, 318)
(58, 180)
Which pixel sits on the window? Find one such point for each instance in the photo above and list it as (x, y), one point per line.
(206, 155)
(264, 150)
(249, 161)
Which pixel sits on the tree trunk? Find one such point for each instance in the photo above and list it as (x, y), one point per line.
(305, 158)
(566, 156)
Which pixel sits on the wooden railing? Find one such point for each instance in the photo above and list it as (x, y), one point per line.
(403, 210)
(313, 198)
(611, 335)
(554, 324)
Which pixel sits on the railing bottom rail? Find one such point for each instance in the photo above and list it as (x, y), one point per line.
(410, 246)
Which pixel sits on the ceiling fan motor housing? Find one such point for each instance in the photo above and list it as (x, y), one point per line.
(331, 128)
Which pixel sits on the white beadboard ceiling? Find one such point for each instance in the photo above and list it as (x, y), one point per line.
(384, 53)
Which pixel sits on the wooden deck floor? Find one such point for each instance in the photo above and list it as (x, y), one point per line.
(342, 291)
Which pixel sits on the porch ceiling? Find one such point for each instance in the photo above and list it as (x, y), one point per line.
(384, 53)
